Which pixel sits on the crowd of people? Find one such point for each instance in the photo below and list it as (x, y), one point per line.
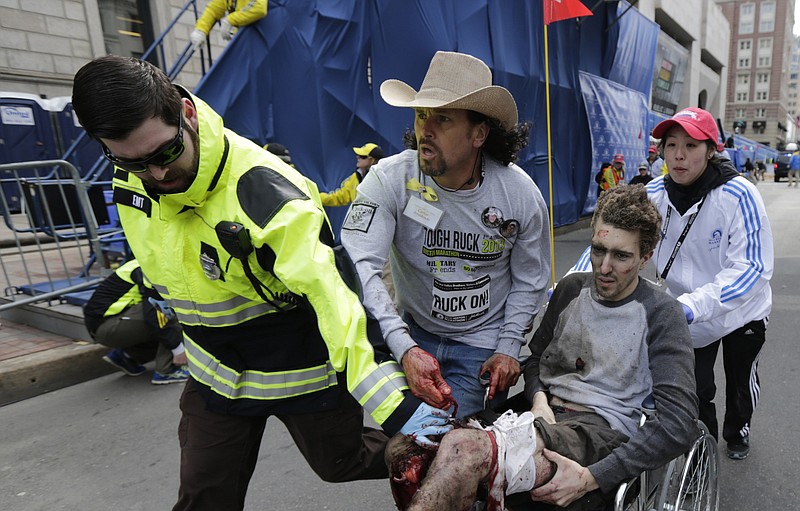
(276, 319)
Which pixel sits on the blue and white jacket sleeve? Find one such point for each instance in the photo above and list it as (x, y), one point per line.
(748, 261)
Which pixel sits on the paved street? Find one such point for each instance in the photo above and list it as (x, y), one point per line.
(111, 443)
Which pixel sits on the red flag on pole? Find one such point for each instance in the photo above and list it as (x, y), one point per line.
(557, 10)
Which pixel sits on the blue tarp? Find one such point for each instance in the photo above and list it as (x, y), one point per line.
(308, 74)
(618, 119)
(636, 50)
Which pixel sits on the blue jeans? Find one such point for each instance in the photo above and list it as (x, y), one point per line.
(460, 365)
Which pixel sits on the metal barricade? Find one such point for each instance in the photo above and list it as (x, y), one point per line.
(63, 238)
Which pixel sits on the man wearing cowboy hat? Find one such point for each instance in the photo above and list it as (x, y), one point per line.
(466, 232)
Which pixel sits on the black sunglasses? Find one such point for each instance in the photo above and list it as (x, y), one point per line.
(163, 156)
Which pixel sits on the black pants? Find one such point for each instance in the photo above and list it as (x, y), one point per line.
(740, 351)
(219, 452)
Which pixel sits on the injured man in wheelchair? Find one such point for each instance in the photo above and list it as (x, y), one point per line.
(608, 340)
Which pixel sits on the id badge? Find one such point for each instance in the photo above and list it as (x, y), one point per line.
(422, 212)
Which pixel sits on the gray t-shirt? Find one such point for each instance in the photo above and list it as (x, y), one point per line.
(477, 276)
(608, 356)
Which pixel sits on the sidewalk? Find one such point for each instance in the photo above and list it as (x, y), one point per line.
(34, 361)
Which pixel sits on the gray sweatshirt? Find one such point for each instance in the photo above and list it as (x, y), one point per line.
(627, 350)
(477, 276)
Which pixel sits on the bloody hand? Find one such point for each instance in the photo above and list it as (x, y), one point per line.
(505, 371)
(425, 378)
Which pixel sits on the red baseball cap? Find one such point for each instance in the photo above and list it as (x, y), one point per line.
(697, 123)
(619, 158)
(652, 149)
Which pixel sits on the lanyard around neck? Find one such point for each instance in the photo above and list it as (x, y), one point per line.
(681, 238)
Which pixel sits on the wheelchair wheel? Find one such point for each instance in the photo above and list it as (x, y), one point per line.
(691, 484)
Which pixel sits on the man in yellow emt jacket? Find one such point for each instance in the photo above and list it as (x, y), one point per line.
(238, 243)
(366, 156)
(231, 15)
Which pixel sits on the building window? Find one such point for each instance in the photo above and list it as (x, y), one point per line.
(746, 18)
(742, 96)
(761, 113)
(742, 79)
(766, 17)
(740, 113)
(744, 62)
(763, 78)
(745, 44)
(765, 61)
(761, 95)
(127, 26)
(765, 44)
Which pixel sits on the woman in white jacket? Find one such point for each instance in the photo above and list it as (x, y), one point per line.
(716, 258)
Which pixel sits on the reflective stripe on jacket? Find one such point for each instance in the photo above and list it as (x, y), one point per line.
(612, 177)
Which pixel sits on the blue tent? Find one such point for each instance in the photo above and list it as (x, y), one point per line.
(307, 75)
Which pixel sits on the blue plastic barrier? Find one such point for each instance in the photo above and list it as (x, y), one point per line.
(87, 151)
(26, 134)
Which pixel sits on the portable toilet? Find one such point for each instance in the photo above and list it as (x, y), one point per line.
(26, 134)
(86, 151)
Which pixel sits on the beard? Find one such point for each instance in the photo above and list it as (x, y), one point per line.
(435, 167)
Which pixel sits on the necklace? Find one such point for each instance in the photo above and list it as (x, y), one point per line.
(479, 158)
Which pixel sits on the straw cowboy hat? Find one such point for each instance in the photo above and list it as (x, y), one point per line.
(455, 80)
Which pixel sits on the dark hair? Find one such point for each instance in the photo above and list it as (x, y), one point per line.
(113, 95)
(502, 145)
(627, 207)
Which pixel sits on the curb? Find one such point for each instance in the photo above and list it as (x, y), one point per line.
(37, 373)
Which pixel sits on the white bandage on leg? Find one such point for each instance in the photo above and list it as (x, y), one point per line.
(516, 444)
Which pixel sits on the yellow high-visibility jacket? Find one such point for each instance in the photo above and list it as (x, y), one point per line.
(249, 356)
(114, 295)
(612, 177)
(240, 13)
(343, 195)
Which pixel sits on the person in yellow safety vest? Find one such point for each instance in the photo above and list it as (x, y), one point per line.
(366, 156)
(613, 174)
(126, 314)
(238, 243)
(231, 15)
